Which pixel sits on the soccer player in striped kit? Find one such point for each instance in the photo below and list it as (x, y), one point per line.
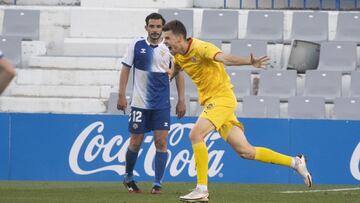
(151, 61)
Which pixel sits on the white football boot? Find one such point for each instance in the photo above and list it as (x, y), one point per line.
(196, 195)
(300, 167)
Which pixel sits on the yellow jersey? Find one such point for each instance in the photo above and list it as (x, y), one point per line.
(207, 74)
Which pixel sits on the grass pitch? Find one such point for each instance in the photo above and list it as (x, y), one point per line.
(16, 191)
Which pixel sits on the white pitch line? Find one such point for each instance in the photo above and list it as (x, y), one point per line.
(328, 190)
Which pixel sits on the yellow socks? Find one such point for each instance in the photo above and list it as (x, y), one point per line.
(201, 162)
(269, 156)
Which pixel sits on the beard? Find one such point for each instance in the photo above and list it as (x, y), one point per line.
(155, 36)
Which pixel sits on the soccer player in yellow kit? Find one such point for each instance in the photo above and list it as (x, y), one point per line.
(204, 63)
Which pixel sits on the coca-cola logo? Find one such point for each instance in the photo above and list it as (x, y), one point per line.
(354, 163)
(91, 145)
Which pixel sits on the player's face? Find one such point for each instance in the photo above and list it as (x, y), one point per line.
(172, 42)
(154, 29)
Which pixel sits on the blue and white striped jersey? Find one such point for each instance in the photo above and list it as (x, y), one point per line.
(151, 81)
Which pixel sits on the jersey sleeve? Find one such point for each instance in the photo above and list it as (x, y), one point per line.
(129, 58)
(209, 50)
(1, 54)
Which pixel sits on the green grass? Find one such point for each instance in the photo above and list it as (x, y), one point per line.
(23, 191)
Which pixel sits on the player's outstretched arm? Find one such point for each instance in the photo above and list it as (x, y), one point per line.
(124, 77)
(231, 60)
(7, 73)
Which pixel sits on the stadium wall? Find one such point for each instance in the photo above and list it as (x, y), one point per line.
(64, 147)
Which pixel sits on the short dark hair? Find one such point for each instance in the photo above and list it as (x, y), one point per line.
(176, 26)
(154, 16)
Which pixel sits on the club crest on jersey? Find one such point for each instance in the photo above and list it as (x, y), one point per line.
(210, 106)
(142, 51)
(193, 59)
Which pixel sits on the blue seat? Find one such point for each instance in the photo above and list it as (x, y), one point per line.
(312, 4)
(347, 5)
(297, 4)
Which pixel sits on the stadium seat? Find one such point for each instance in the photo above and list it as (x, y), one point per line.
(337, 56)
(185, 16)
(306, 107)
(261, 107)
(297, 4)
(325, 84)
(112, 104)
(23, 23)
(355, 84)
(11, 47)
(265, 4)
(312, 4)
(248, 4)
(216, 42)
(347, 108)
(310, 26)
(281, 4)
(265, 25)
(190, 88)
(304, 55)
(277, 83)
(328, 4)
(348, 27)
(347, 4)
(219, 24)
(246, 47)
(241, 79)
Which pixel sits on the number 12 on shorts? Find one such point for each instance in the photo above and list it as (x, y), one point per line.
(135, 116)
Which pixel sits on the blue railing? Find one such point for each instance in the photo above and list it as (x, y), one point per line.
(337, 4)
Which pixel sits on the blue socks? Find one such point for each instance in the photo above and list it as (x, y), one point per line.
(131, 158)
(160, 164)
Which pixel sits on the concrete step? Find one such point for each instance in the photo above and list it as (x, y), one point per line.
(73, 62)
(67, 77)
(138, 3)
(51, 105)
(108, 23)
(60, 91)
(96, 46)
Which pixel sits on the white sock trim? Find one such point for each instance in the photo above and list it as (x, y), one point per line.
(202, 187)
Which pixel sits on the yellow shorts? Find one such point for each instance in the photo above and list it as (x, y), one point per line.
(220, 110)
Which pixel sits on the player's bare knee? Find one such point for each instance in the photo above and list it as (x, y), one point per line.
(246, 153)
(160, 145)
(195, 137)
